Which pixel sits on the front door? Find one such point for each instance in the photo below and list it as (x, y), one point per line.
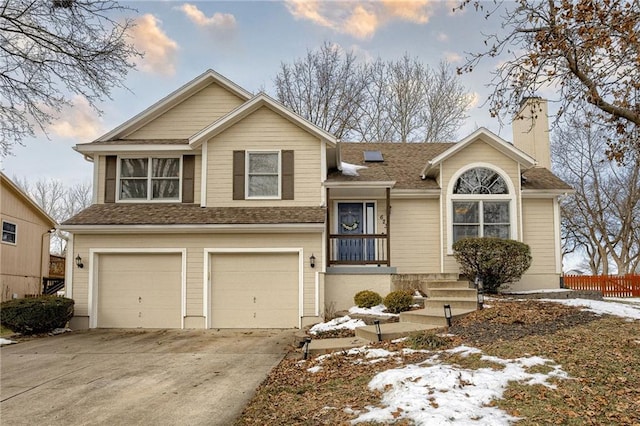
(352, 220)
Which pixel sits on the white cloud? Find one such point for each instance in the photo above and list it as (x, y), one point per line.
(77, 121)
(217, 21)
(442, 37)
(360, 19)
(452, 57)
(160, 51)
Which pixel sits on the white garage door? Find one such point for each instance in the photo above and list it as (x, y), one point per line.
(139, 290)
(256, 290)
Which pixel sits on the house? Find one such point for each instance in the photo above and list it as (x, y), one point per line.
(24, 252)
(216, 208)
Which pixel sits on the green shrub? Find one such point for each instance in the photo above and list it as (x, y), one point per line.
(367, 299)
(426, 340)
(494, 260)
(398, 301)
(37, 314)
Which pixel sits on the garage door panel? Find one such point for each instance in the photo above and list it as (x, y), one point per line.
(254, 290)
(140, 290)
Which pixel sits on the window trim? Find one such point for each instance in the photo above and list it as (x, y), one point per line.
(15, 233)
(149, 180)
(247, 174)
(511, 197)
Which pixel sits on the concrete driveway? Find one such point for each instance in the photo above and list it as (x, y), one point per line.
(128, 377)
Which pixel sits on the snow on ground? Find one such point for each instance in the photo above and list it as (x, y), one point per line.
(378, 310)
(435, 393)
(4, 341)
(623, 310)
(337, 324)
(543, 290)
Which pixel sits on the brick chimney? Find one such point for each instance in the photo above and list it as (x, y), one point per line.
(531, 130)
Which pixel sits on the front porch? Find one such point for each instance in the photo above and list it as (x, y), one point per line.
(358, 228)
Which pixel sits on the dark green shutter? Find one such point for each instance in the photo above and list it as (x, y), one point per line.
(188, 172)
(110, 178)
(287, 175)
(238, 175)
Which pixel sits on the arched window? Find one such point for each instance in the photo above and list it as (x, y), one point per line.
(481, 205)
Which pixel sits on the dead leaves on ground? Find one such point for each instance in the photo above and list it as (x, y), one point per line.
(601, 354)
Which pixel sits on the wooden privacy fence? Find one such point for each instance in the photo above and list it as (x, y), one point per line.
(609, 285)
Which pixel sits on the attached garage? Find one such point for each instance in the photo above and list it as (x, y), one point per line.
(255, 290)
(139, 290)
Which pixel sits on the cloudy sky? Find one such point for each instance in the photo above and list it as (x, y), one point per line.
(246, 41)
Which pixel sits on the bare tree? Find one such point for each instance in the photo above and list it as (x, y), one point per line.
(325, 87)
(585, 50)
(53, 50)
(389, 101)
(58, 201)
(602, 219)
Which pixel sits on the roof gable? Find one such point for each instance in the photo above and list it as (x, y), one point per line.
(486, 136)
(26, 199)
(173, 99)
(248, 108)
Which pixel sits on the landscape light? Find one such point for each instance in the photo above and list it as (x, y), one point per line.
(447, 314)
(378, 331)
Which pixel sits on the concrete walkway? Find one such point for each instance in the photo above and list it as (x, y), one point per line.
(126, 377)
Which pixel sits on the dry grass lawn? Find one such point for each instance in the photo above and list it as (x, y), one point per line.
(601, 354)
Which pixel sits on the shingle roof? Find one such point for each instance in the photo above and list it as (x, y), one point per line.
(403, 163)
(541, 178)
(192, 214)
(139, 142)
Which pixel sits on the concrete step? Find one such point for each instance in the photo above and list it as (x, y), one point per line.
(452, 293)
(392, 331)
(325, 346)
(438, 303)
(432, 316)
(435, 284)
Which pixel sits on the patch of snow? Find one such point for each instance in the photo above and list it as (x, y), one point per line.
(628, 300)
(344, 322)
(436, 393)
(314, 369)
(4, 341)
(542, 290)
(378, 310)
(602, 307)
(349, 169)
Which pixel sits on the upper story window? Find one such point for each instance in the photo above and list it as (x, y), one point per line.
(9, 232)
(149, 178)
(481, 205)
(263, 174)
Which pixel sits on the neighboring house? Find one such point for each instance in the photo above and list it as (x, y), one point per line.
(24, 252)
(215, 208)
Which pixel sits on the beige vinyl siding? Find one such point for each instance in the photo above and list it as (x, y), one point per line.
(415, 236)
(197, 179)
(190, 116)
(476, 152)
(101, 163)
(23, 264)
(264, 130)
(195, 245)
(539, 234)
